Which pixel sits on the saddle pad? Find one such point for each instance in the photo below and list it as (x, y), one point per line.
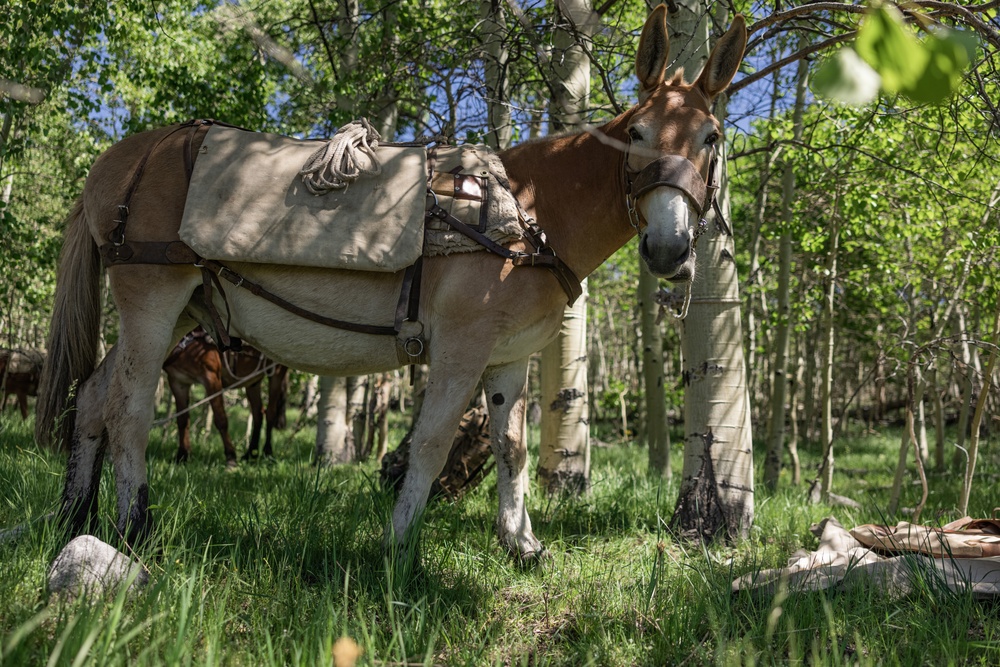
(247, 203)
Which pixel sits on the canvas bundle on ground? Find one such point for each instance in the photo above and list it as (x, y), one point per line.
(894, 560)
(249, 202)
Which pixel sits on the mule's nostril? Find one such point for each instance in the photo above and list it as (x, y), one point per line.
(644, 246)
(684, 255)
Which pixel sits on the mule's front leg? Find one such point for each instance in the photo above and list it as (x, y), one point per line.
(445, 399)
(505, 397)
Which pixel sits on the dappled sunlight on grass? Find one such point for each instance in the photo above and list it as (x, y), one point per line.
(272, 563)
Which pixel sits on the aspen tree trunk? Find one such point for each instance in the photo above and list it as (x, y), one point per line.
(386, 108)
(378, 415)
(977, 417)
(356, 415)
(564, 449)
(717, 488)
(760, 208)
(809, 391)
(495, 62)
(310, 398)
(332, 446)
(793, 416)
(915, 397)
(966, 375)
(657, 434)
(939, 464)
(775, 445)
(826, 366)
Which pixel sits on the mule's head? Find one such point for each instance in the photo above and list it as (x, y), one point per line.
(672, 138)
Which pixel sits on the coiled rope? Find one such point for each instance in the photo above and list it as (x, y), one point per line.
(349, 154)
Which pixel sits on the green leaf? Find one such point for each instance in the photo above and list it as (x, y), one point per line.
(846, 78)
(891, 49)
(949, 53)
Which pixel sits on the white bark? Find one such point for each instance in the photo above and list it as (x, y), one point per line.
(776, 442)
(332, 445)
(657, 434)
(564, 450)
(496, 58)
(717, 488)
(827, 336)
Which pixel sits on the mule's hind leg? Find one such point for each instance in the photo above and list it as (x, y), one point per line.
(150, 301)
(505, 397)
(86, 450)
(22, 403)
(221, 419)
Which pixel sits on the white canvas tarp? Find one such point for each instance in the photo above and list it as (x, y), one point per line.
(247, 203)
(843, 560)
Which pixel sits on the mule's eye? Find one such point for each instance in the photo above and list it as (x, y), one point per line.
(634, 135)
(711, 139)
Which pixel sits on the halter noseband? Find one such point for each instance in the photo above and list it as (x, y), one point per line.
(678, 172)
(673, 171)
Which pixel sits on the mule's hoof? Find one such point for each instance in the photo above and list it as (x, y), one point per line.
(232, 465)
(527, 552)
(534, 559)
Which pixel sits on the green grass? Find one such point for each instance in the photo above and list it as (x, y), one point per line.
(271, 564)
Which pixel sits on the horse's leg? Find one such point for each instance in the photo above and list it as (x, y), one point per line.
(449, 387)
(505, 397)
(22, 402)
(275, 404)
(213, 386)
(182, 400)
(256, 402)
(86, 450)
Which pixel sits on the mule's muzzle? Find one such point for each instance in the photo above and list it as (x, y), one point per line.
(674, 262)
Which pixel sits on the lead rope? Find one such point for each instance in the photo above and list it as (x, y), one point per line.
(349, 154)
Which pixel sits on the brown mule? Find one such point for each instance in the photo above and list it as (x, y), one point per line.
(481, 316)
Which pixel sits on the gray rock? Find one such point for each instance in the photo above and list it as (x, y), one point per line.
(88, 564)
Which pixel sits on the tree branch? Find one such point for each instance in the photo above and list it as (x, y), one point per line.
(787, 60)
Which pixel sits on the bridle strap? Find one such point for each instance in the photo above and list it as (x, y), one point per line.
(673, 171)
(679, 173)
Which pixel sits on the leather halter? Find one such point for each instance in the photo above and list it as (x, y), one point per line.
(679, 173)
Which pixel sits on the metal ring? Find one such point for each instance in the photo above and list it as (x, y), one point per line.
(407, 346)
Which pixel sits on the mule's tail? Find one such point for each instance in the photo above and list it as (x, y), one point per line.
(73, 334)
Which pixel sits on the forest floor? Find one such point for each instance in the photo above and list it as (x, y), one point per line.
(273, 563)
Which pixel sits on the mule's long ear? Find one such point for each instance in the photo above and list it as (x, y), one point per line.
(725, 59)
(654, 48)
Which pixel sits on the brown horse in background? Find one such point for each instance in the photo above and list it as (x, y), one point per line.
(480, 314)
(20, 371)
(196, 360)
